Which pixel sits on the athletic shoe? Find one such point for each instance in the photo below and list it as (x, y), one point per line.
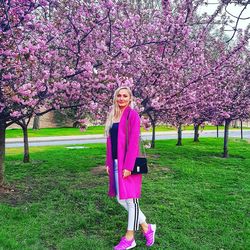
(150, 235)
(125, 244)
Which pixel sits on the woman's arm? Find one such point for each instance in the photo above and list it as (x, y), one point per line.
(108, 152)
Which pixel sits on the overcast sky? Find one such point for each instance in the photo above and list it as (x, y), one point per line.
(233, 9)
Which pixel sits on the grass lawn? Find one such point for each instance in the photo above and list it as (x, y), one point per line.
(14, 133)
(197, 199)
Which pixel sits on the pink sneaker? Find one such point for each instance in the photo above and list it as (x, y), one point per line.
(150, 235)
(125, 244)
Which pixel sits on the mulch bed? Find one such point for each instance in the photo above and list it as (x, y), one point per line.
(99, 170)
(6, 190)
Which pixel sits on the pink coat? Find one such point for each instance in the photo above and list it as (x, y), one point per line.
(129, 187)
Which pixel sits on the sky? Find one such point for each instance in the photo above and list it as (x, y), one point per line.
(233, 9)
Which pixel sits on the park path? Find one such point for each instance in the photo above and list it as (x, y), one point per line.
(86, 139)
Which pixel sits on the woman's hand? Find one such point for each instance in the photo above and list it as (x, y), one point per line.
(107, 169)
(126, 173)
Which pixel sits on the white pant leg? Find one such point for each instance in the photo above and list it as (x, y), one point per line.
(116, 178)
(132, 205)
(135, 215)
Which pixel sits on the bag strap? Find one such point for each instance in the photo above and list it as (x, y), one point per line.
(127, 138)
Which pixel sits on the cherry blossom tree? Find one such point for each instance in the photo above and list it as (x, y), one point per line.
(233, 93)
(169, 82)
(41, 66)
(18, 96)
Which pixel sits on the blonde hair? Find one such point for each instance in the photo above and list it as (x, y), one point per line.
(115, 110)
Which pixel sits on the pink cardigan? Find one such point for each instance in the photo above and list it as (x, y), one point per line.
(129, 187)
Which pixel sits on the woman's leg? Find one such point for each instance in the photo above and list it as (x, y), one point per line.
(133, 205)
(135, 215)
(116, 177)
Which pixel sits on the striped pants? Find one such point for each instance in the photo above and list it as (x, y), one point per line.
(135, 215)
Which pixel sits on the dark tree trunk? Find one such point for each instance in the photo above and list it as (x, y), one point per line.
(153, 120)
(26, 155)
(2, 151)
(24, 125)
(179, 142)
(234, 124)
(217, 130)
(226, 131)
(153, 135)
(196, 133)
(241, 130)
(36, 122)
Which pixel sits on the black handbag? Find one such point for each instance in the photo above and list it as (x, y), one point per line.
(140, 166)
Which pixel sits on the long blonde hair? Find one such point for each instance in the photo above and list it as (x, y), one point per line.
(115, 111)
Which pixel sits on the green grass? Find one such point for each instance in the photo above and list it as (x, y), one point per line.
(197, 199)
(15, 133)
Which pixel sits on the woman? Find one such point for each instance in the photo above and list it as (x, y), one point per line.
(124, 121)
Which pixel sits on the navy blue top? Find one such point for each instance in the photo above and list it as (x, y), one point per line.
(114, 139)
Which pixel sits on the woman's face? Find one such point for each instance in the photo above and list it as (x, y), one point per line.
(123, 98)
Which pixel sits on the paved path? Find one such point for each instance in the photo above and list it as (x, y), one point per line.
(86, 139)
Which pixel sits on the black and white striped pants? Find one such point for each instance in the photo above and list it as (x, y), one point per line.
(135, 215)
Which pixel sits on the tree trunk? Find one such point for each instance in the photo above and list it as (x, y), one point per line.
(24, 125)
(241, 130)
(196, 133)
(2, 151)
(26, 156)
(179, 142)
(217, 130)
(153, 120)
(226, 131)
(36, 122)
(153, 135)
(234, 124)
